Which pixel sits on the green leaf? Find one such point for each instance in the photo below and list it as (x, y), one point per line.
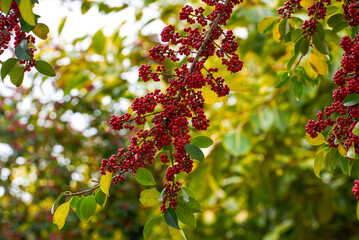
(149, 197)
(185, 215)
(16, 75)
(99, 42)
(149, 226)
(185, 196)
(267, 24)
(195, 152)
(336, 158)
(25, 27)
(355, 130)
(192, 204)
(320, 44)
(144, 177)
(351, 100)
(61, 214)
(189, 192)
(101, 197)
(88, 207)
(45, 68)
(354, 31)
(296, 34)
(358, 210)
(283, 27)
(170, 217)
(345, 166)
(236, 143)
(7, 66)
(78, 209)
(61, 26)
(177, 234)
(5, 6)
(336, 19)
(73, 202)
(202, 141)
(304, 46)
(298, 88)
(57, 201)
(284, 77)
(41, 30)
(105, 183)
(351, 152)
(21, 51)
(160, 198)
(26, 12)
(318, 163)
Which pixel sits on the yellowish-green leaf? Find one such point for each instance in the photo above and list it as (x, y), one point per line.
(351, 152)
(41, 30)
(26, 12)
(61, 214)
(177, 234)
(306, 3)
(318, 140)
(149, 197)
(358, 210)
(318, 163)
(276, 34)
(5, 6)
(311, 73)
(319, 63)
(265, 23)
(342, 150)
(130, 110)
(105, 183)
(240, 87)
(210, 97)
(356, 129)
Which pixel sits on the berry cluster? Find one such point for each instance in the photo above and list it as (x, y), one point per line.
(10, 23)
(288, 8)
(351, 12)
(182, 103)
(355, 189)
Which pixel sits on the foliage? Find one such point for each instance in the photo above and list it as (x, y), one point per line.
(256, 181)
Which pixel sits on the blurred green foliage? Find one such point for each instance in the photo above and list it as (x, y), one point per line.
(257, 182)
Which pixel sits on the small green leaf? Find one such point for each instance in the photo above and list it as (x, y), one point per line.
(45, 68)
(25, 27)
(101, 197)
(318, 163)
(297, 88)
(26, 12)
(88, 207)
(7, 66)
(296, 34)
(189, 192)
(351, 152)
(336, 19)
(185, 215)
(283, 27)
(351, 100)
(73, 202)
(99, 42)
(202, 141)
(320, 44)
(17, 75)
(78, 208)
(284, 77)
(355, 130)
(191, 204)
(336, 158)
(236, 143)
(195, 152)
(149, 197)
(345, 166)
(171, 218)
(304, 46)
(160, 198)
(61, 25)
(57, 201)
(177, 234)
(41, 30)
(22, 52)
(61, 214)
(149, 226)
(5, 6)
(185, 196)
(144, 177)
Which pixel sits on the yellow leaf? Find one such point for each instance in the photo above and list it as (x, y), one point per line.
(306, 3)
(210, 97)
(310, 71)
(276, 33)
(342, 150)
(240, 87)
(318, 163)
(318, 140)
(177, 234)
(61, 214)
(149, 197)
(41, 30)
(105, 183)
(130, 110)
(319, 63)
(26, 12)
(265, 23)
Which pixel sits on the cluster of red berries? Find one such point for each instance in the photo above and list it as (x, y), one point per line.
(171, 112)
(351, 12)
(355, 189)
(10, 23)
(288, 8)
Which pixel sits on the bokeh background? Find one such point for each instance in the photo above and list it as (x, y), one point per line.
(257, 181)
